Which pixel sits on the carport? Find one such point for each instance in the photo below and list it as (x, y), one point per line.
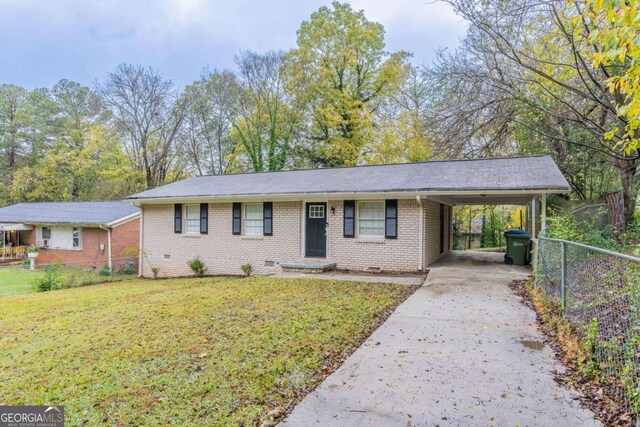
(534, 200)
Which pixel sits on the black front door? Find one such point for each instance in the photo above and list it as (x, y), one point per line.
(316, 230)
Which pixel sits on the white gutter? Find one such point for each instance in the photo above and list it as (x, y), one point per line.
(140, 243)
(420, 234)
(110, 260)
(312, 197)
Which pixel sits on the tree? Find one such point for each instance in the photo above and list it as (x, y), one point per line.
(211, 112)
(521, 66)
(611, 27)
(341, 72)
(92, 168)
(147, 112)
(402, 124)
(13, 123)
(267, 117)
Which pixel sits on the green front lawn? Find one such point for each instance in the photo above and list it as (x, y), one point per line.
(213, 351)
(16, 280)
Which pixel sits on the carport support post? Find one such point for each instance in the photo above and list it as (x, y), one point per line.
(563, 262)
(543, 212)
(533, 218)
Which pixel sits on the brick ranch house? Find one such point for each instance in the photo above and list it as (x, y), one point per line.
(384, 218)
(84, 234)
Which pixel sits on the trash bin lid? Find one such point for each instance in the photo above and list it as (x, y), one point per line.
(516, 232)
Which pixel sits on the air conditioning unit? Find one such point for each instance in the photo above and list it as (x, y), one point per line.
(44, 243)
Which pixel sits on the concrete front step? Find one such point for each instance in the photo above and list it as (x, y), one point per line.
(307, 267)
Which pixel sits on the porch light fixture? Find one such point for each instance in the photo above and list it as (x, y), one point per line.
(333, 210)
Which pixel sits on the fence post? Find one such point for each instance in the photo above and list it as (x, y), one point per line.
(563, 262)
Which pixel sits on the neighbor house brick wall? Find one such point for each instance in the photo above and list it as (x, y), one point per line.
(356, 253)
(221, 251)
(89, 256)
(123, 236)
(30, 237)
(125, 240)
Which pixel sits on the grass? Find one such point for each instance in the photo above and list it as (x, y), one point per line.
(212, 351)
(19, 280)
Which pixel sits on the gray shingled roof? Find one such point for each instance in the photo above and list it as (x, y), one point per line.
(86, 213)
(517, 173)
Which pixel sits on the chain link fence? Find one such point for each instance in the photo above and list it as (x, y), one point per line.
(599, 292)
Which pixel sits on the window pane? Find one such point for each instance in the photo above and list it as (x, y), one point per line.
(253, 218)
(192, 219)
(371, 219)
(75, 233)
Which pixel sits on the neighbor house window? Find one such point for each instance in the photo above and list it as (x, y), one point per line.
(75, 234)
(253, 219)
(192, 219)
(46, 233)
(371, 219)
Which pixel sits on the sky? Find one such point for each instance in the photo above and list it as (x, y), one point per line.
(44, 41)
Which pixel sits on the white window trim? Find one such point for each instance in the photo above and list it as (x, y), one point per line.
(244, 219)
(369, 236)
(186, 209)
(79, 247)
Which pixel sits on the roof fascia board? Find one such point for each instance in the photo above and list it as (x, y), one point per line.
(123, 220)
(338, 196)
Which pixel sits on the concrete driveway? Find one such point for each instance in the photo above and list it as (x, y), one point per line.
(461, 351)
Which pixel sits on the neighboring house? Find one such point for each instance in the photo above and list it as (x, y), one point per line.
(387, 217)
(86, 234)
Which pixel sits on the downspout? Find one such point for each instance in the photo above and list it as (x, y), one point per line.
(420, 234)
(141, 250)
(110, 261)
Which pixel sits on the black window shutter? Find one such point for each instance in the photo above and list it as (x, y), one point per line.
(267, 216)
(177, 218)
(204, 218)
(391, 219)
(237, 218)
(349, 218)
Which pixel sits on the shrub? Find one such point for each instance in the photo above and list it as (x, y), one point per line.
(155, 271)
(106, 271)
(128, 270)
(51, 279)
(246, 269)
(197, 266)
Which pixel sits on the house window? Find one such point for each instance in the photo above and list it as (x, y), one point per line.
(253, 220)
(316, 211)
(371, 219)
(192, 219)
(75, 234)
(46, 233)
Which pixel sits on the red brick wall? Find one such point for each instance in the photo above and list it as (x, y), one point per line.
(30, 237)
(89, 256)
(125, 243)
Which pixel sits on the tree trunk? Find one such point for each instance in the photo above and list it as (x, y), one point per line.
(628, 169)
